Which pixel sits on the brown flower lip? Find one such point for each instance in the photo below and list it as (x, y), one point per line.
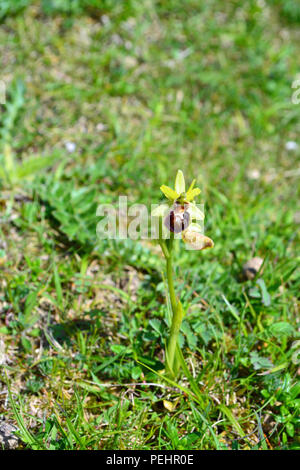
(178, 218)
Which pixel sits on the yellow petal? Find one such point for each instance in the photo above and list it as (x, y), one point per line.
(192, 193)
(179, 182)
(191, 186)
(169, 193)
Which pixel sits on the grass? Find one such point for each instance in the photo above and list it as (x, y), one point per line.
(141, 91)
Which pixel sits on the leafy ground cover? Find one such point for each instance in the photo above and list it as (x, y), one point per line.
(111, 98)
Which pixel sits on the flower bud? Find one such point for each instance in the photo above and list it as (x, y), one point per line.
(196, 240)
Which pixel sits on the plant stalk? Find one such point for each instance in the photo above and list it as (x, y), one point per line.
(177, 312)
(177, 315)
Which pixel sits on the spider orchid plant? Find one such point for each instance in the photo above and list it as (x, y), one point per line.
(178, 218)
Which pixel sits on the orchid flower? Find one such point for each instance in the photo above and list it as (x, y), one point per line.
(179, 213)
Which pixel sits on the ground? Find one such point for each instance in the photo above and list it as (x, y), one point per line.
(110, 101)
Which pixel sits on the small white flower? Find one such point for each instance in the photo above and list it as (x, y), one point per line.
(70, 146)
(253, 174)
(101, 127)
(291, 145)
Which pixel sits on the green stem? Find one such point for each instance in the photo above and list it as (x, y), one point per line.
(176, 307)
(177, 315)
(169, 262)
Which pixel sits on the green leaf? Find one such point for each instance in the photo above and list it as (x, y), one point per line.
(35, 164)
(232, 419)
(190, 335)
(295, 391)
(118, 348)
(58, 287)
(259, 362)
(281, 329)
(136, 373)
(31, 301)
(157, 326)
(4, 330)
(26, 344)
(232, 309)
(290, 429)
(88, 387)
(266, 298)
